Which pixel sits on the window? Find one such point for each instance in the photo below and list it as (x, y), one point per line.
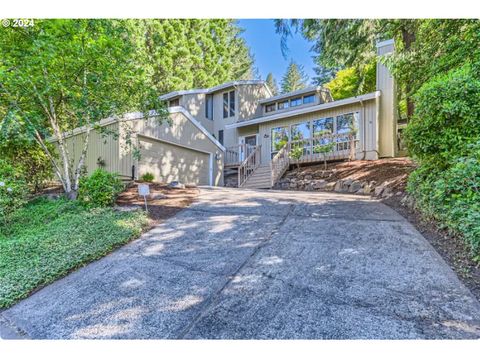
(232, 103)
(309, 99)
(229, 104)
(174, 102)
(279, 138)
(322, 126)
(347, 123)
(283, 105)
(299, 132)
(209, 107)
(296, 101)
(220, 136)
(225, 105)
(270, 107)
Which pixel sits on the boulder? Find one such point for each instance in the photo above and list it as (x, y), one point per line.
(379, 190)
(319, 184)
(338, 186)
(330, 186)
(355, 186)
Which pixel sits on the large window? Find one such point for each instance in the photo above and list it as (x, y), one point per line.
(347, 123)
(229, 104)
(322, 126)
(296, 101)
(309, 99)
(279, 136)
(300, 131)
(209, 107)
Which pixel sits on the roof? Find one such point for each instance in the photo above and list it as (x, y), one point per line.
(306, 110)
(293, 93)
(174, 94)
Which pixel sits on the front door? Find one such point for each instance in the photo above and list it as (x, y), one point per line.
(250, 142)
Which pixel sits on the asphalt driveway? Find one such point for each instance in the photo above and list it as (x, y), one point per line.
(241, 264)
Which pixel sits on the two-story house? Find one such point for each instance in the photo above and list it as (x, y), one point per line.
(239, 127)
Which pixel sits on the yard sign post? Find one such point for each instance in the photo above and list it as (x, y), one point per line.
(144, 190)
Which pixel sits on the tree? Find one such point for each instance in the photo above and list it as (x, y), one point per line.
(192, 53)
(294, 78)
(349, 82)
(272, 84)
(62, 74)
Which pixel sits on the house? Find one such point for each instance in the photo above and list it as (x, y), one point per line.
(240, 128)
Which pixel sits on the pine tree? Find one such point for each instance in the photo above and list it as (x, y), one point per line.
(193, 53)
(294, 78)
(272, 84)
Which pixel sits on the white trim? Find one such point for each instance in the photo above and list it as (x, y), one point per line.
(306, 110)
(214, 88)
(179, 109)
(385, 43)
(210, 172)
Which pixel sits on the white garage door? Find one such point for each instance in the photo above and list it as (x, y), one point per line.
(168, 162)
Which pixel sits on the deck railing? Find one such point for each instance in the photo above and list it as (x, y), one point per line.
(328, 147)
(324, 147)
(249, 165)
(235, 155)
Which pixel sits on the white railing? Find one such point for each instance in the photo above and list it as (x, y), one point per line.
(235, 155)
(325, 147)
(249, 165)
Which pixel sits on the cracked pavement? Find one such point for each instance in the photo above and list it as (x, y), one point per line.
(248, 264)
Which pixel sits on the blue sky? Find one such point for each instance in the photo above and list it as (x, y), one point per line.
(265, 46)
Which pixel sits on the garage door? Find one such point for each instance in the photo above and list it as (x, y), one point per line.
(168, 162)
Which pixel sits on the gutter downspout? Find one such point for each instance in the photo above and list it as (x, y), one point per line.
(364, 130)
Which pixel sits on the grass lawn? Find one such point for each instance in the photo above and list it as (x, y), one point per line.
(48, 238)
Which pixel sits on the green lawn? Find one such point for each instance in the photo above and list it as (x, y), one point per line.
(48, 238)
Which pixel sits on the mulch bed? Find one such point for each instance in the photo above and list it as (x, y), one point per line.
(164, 202)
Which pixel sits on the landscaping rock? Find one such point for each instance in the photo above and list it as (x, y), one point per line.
(330, 186)
(176, 185)
(127, 208)
(355, 186)
(378, 190)
(319, 184)
(338, 186)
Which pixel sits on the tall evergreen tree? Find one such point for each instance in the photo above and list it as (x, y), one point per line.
(272, 83)
(294, 78)
(193, 53)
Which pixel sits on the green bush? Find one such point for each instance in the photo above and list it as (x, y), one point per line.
(99, 189)
(447, 114)
(452, 197)
(13, 190)
(148, 177)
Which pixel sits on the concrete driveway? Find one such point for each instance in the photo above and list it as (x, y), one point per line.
(242, 264)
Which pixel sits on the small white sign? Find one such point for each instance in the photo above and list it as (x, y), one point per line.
(143, 190)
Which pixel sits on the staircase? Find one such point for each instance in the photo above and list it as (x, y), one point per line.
(261, 178)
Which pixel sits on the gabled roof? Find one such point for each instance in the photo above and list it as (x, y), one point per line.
(293, 93)
(305, 110)
(174, 94)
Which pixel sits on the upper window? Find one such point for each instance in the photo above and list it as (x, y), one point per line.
(296, 101)
(220, 136)
(174, 102)
(270, 107)
(209, 107)
(283, 105)
(229, 104)
(309, 99)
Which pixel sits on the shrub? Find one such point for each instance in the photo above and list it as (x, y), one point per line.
(13, 190)
(446, 118)
(148, 177)
(99, 189)
(453, 196)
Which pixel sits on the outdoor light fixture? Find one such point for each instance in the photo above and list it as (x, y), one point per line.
(218, 156)
(266, 136)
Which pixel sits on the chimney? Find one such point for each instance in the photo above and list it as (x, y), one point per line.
(387, 114)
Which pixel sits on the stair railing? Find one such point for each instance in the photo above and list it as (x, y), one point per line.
(280, 163)
(249, 165)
